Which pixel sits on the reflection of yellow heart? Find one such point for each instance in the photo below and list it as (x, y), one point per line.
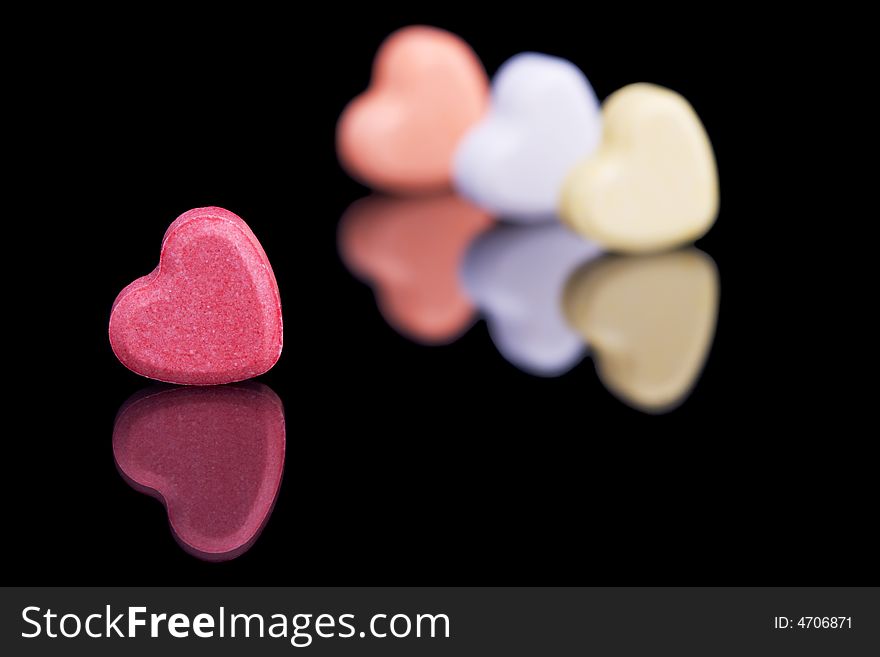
(649, 320)
(652, 184)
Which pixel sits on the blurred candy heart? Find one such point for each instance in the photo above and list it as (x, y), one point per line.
(515, 275)
(213, 456)
(544, 118)
(410, 251)
(428, 87)
(649, 320)
(209, 313)
(653, 183)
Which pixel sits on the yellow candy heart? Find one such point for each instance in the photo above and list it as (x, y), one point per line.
(653, 182)
(649, 321)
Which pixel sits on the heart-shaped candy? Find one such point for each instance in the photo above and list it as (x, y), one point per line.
(652, 184)
(213, 456)
(410, 250)
(515, 275)
(209, 313)
(649, 320)
(428, 87)
(544, 119)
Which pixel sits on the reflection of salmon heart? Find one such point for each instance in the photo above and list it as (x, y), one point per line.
(214, 456)
(410, 251)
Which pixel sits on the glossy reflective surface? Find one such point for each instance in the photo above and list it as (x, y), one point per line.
(548, 296)
(214, 456)
(524, 468)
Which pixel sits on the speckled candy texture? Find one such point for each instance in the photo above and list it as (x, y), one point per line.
(213, 456)
(210, 313)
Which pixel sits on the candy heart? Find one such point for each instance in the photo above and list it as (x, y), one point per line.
(428, 87)
(410, 250)
(209, 313)
(515, 275)
(544, 119)
(213, 456)
(652, 184)
(649, 320)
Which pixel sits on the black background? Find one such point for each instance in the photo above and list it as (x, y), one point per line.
(406, 464)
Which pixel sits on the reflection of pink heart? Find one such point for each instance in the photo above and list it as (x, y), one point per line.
(428, 87)
(410, 251)
(214, 457)
(209, 313)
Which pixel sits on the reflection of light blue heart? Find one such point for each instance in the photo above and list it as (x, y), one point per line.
(544, 119)
(516, 275)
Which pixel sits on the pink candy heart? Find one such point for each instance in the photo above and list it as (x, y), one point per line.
(210, 313)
